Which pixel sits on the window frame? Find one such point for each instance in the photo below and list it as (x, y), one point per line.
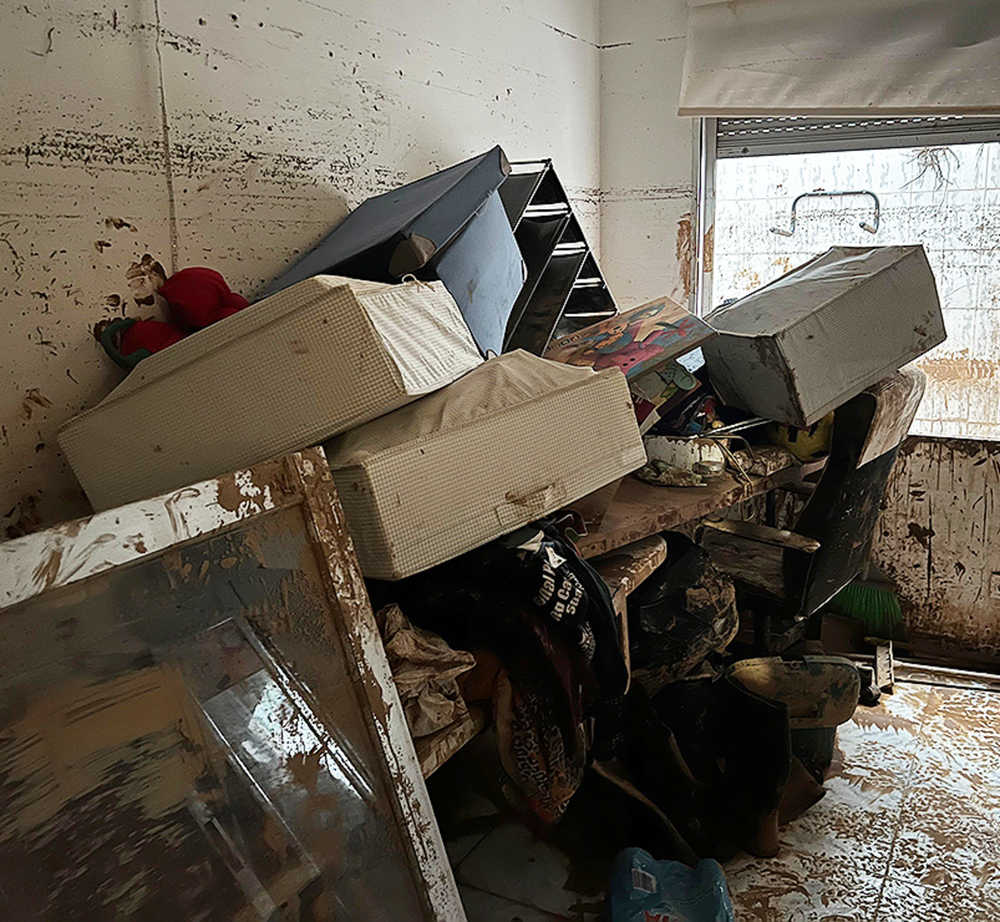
(773, 135)
(969, 132)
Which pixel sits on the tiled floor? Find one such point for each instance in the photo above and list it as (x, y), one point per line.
(909, 831)
(908, 828)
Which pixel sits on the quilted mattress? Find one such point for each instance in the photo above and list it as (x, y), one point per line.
(515, 439)
(292, 370)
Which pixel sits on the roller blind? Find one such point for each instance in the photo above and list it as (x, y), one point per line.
(761, 137)
(841, 57)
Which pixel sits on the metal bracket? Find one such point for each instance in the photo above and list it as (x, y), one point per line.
(885, 677)
(871, 227)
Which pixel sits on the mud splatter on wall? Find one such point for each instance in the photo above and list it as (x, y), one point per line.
(939, 538)
(646, 151)
(144, 132)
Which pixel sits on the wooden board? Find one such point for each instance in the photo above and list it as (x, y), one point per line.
(628, 567)
(642, 509)
(434, 750)
(753, 564)
(624, 570)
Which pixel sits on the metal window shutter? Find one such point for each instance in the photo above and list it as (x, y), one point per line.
(758, 137)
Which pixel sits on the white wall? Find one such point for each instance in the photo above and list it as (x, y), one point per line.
(234, 136)
(281, 119)
(646, 151)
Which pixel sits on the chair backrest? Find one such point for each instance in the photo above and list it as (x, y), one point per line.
(842, 512)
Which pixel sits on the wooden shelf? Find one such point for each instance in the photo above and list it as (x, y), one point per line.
(628, 567)
(628, 549)
(624, 570)
(434, 750)
(639, 509)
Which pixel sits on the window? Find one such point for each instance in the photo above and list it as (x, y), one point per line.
(937, 181)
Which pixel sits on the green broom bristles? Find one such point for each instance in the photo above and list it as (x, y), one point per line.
(874, 604)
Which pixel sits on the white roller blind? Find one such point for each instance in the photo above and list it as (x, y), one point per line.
(828, 57)
(766, 136)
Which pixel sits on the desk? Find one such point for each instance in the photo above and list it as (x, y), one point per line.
(628, 538)
(626, 543)
(639, 509)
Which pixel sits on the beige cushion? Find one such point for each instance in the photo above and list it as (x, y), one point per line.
(515, 439)
(296, 368)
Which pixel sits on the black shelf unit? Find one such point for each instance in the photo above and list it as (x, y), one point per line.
(564, 289)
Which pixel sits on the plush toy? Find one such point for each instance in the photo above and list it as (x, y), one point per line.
(199, 297)
(139, 339)
(151, 335)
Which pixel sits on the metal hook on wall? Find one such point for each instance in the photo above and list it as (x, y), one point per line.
(871, 227)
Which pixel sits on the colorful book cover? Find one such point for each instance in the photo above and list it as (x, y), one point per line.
(637, 341)
(657, 392)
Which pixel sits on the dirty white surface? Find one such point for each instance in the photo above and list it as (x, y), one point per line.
(937, 539)
(943, 197)
(646, 152)
(142, 136)
(906, 831)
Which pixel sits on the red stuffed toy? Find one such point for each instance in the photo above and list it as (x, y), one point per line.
(199, 297)
(151, 335)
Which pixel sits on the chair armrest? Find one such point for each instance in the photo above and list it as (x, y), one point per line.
(765, 534)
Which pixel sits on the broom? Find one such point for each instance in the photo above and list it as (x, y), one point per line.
(871, 600)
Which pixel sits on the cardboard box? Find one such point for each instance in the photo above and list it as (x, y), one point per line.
(801, 346)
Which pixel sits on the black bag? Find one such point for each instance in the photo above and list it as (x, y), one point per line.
(680, 615)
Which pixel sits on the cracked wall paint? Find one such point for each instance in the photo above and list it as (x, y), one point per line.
(279, 119)
(646, 151)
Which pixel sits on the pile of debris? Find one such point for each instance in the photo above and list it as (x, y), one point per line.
(463, 463)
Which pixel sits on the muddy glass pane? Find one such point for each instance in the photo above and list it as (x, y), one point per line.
(183, 739)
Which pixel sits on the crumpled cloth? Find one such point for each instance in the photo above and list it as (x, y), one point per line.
(425, 670)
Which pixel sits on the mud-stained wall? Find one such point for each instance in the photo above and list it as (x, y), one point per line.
(646, 151)
(142, 136)
(939, 538)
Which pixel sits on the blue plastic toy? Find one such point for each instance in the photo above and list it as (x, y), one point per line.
(645, 890)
